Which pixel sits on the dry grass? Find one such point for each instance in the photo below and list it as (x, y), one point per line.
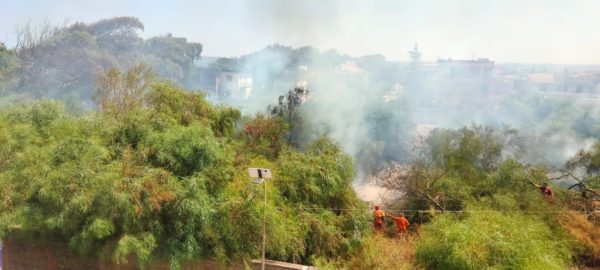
(382, 252)
(588, 234)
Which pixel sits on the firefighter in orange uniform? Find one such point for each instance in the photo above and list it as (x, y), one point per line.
(378, 216)
(401, 224)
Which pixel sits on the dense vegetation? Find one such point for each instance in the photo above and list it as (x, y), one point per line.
(168, 179)
(481, 210)
(160, 172)
(62, 61)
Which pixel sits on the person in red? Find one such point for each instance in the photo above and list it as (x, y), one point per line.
(401, 224)
(545, 189)
(378, 216)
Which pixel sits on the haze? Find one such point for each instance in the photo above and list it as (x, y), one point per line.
(560, 32)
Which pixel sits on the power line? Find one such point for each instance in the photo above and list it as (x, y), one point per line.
(432, 211)
(445, 211)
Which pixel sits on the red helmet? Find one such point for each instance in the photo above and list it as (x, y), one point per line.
(377, 207)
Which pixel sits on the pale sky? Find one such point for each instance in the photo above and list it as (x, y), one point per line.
(535, 31)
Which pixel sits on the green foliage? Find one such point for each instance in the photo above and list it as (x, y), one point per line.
(9, 66)
(62, 61)
(119, 92)
(470, 163)
(117, 35)
(169, 179)
(288, 108)
(183, 107)
(141, 246)
(492, 240)
(183, 150)
(471, 149)
(506, 223)
(263, 135)
(589, 161)
(172, 57)
(321, 178)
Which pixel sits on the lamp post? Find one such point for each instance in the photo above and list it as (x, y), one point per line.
(261, 175)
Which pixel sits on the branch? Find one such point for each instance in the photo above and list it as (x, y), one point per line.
(433, 200)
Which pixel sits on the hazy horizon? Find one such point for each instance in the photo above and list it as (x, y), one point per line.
(535, 32)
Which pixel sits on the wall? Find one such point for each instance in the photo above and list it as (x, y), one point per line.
(20, 256)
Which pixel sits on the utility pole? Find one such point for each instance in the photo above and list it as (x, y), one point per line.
(261, 175)
(264, 227)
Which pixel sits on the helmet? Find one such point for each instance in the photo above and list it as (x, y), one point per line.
(377, 207)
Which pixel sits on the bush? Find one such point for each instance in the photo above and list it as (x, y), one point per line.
(169, 180)
(492, 240)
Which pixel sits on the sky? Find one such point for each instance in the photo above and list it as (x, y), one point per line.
(514, 31)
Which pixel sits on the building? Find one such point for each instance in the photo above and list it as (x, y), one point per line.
(466, 69)
(542, 81)
(464, 81)
(233, 85)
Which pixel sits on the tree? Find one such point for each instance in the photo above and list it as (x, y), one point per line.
(117, 35)
(61, 61)
(288, 108)
(9, 68)
(164, 175)
(456, 165)
(589, 163)
(28, 36)
(264, 135)
(172, 57)
(120, 92)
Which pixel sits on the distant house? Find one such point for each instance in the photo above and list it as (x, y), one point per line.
(578, 83)
(584, 82)
(234, 85)
(464, 81)
(466, 69)
(204, 79)
(542, 81)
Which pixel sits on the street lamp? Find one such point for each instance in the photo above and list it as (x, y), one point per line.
(260, 175)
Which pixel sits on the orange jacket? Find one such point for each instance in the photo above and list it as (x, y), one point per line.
(378, 215)
(401, 222)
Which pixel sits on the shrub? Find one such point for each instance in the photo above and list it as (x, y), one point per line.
(169, 180)
(492, 240)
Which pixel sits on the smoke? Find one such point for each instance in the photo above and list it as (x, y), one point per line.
(375, 108)
(380, 111)
(293, 22)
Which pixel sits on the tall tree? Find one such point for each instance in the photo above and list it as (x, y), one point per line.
(9, 67)
(117, 35)
(172, 57)
(288, 108)
(120, 92)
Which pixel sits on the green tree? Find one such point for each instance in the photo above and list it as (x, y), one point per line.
(118, 35)
(172, 57)
(9, 67)
(169, 180)
(288, 108)
(118, 92)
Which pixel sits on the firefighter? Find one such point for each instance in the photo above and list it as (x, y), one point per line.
(401, 224)
(378, 216)
(545, 190)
